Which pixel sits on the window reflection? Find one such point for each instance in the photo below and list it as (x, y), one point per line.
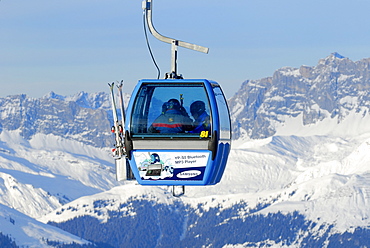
(171, 109)
(223, 111)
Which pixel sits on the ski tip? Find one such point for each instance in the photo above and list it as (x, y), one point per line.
(120, 84)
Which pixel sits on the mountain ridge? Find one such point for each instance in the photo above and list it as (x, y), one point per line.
(332, 88)
(297, 174)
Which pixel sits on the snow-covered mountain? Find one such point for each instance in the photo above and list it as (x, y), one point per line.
(53, 150)
(285, 191)
(27, 232)
(298, 173)
(40, 174)
(83, 117)
(333, 88)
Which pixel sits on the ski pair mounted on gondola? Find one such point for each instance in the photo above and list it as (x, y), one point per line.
(123, 170)
(176, 131)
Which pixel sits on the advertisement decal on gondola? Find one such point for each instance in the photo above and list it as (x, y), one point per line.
(171, 165)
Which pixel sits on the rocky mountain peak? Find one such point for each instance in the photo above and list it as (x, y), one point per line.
(331, 89)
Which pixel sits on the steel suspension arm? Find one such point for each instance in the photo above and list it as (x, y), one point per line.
(147, 6)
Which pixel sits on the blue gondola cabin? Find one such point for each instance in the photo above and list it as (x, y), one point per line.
(177, 132)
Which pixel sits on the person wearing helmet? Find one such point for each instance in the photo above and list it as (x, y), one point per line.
(172, 120)
(201, 118)
(154, 158)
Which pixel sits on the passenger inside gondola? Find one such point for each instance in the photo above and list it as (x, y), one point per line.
(201, 118)
(173, 119)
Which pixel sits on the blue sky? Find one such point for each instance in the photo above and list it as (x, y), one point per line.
(71, 46)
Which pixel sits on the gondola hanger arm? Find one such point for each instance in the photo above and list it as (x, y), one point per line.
(148, 6)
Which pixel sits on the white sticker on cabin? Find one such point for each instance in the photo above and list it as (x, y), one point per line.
(171, 165)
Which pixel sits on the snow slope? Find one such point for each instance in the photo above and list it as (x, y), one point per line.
(320, 170)
(41, 174)
(323, 175)
(27, 232)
